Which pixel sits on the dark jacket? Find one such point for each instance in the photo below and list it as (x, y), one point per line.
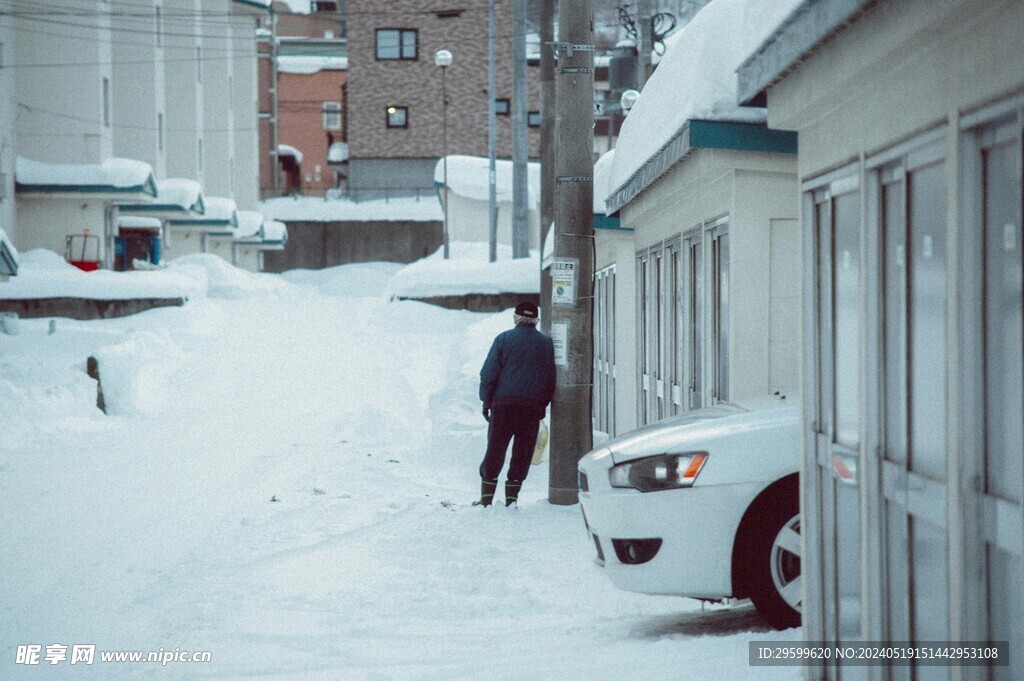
(520, 369)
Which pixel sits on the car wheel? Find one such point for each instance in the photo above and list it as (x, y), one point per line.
(776, 583)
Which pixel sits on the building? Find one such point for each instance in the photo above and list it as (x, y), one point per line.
(706, 242)
(910, 118)
(396, 117)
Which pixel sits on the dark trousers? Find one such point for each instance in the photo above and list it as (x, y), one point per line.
(514, 423)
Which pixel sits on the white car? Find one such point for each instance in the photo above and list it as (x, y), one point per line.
(705, 505)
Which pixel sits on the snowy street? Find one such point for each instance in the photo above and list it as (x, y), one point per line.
(284, 480)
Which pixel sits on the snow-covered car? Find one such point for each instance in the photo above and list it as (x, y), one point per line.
(705, 505)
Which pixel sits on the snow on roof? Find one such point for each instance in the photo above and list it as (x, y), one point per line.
(309, 64)
(249, 224)
(467, 271)
(138, 222)
(289, 150)
(117, 173)
(297, 6)
(313, 209)
(696, 79)
(179, 191)
(275, 231)
(337, 152)
(221, 208)
(468, 177)
(8, 255)
(602, 175)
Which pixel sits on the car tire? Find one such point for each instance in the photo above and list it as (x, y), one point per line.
(775, 579)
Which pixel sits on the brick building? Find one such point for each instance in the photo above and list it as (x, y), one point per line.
(395, 111)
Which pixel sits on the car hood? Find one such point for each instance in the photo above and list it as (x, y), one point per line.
(700, 430)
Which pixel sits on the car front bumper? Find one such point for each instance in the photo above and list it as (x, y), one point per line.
(696, 525)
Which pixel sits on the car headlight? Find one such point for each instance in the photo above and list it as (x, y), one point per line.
(665, 471)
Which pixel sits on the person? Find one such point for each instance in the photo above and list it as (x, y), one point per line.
(517, 383)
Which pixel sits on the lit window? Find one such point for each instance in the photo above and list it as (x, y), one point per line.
(398, 116)
(397, 43)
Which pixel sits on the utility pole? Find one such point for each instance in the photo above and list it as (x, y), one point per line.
(643, 29)
(547, 149)
(274, 103)
(520, 142)
(573, 267)
(492, 142)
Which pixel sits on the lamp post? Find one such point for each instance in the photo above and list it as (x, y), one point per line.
(443, 59)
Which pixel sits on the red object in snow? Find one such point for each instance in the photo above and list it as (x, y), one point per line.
(85, 265)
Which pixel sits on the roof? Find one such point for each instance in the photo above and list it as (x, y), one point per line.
(274, 232)
(174, 195)
(220, 212)
(695, 80)
(808, 26)
(250, 222)
(256, 4)
(468, 177)
(289, 150)
(8, 255)
(309, 64)
(113, 176)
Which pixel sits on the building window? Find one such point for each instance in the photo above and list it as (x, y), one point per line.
(106, 102)
(397, 43)
(533, 119)
(332, 115)
(502, 107)
(397, 116)
(604, 350)
(720, 309)
(160, 131)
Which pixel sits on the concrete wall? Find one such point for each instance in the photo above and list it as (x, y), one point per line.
(468, 220)
(314, 245)
(247, 257)
(84, 308)
(62, 120)
(138, 88)
(46, 222)
(178, 241)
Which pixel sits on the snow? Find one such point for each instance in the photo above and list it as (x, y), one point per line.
(696, 79)
(114, 172)
(289, 150)
(309, 64)
(249, 224)
(298, 6)
(275, 231)
(154, 526)
(5, 242)
(468, 177)
(221, 208)
(602, 175)
(179, 191)
(337, 152)
(312, 209)
(136, 222)
(467, 271)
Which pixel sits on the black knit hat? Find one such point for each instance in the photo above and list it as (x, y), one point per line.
(527, 309)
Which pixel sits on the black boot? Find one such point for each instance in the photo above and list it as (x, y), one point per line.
(512, 491)
(487, 490)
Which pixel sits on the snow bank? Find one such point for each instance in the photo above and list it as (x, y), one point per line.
(221, 279)
(311, 209)
(602, 180)
(361, 280)
(44, 274)
(310, 64)
(134, 374)
(468, 177)
(467, 271)
(696, 79)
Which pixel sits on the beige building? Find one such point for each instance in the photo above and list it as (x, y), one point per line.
(910, 117)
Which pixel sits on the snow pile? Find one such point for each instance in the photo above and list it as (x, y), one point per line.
(221, 208)
(362, 280)
(602, 177)
(696, 79)
(134, 375)
(178, 191)
(311, 209)
(274, 231)
(249, 224)
(310, 64)
(221, 279)
(467, 271)
(337, 152)
(44, 274)
(114, 172)
(468, 177)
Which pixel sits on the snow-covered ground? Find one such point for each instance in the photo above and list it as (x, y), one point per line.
(284, 480)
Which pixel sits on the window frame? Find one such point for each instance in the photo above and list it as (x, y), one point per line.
(332, 109)
(387, 116)
(401, 44)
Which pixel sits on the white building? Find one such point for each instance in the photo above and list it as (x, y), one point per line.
(911, 119)
(699, 303)
(8, 111)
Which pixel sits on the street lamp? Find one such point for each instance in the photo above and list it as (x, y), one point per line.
(443, 59)
(628, 99)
